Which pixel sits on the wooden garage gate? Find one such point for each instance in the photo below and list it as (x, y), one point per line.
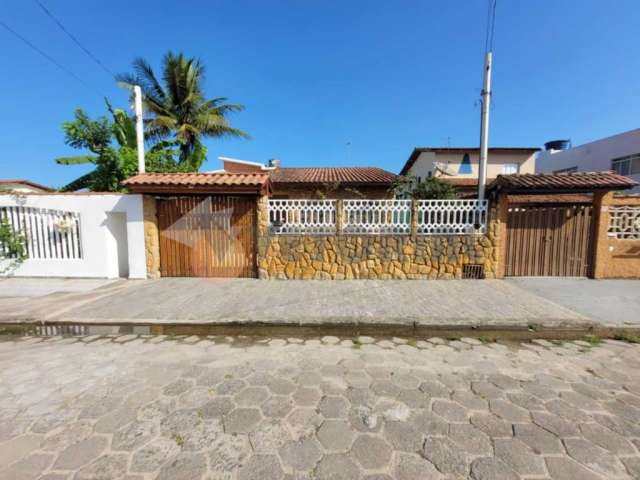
(549, 240)
(207, 236)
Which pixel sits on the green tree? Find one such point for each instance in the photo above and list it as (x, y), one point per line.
(112, 147)
(178, 109)
(429, 189)
(12, 246)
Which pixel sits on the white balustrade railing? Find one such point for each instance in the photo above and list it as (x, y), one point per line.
(302, 216)
(49, 234)
(624, 222)
(451, 217)
(434, 217)
(376, 216)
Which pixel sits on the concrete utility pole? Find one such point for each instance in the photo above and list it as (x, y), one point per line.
(139, 128)
(484, 126)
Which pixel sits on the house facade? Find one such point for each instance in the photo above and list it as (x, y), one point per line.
(620, 153)
(460, 166)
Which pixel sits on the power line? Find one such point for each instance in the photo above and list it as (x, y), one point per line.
(44, 54)
(73, 38)
(491, 23)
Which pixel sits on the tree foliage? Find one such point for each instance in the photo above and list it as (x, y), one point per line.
(112, 149)
(12, 246)
(429, 189)
(177, 108)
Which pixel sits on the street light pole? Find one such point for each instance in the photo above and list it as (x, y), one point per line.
(484, 126)
(139, 127)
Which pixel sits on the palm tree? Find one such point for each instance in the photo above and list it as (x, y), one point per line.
(177, 106)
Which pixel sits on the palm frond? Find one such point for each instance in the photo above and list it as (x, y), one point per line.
(78, 160)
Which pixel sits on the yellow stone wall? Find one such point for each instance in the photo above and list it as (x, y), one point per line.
(151, 236)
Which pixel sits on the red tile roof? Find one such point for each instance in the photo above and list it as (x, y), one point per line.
(201, 182)
(461, 181)
(343, 175)
(27, 183)
(579, 181)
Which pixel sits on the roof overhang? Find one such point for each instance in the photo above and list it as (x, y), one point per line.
(540, 183)
(200, 184)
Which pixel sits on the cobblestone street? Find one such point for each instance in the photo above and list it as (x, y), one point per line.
(144, 407)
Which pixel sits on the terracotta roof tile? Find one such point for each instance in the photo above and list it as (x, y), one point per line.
(197, 181)
(344, 175)
(584, 181)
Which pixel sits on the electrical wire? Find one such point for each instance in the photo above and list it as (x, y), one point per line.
(491, 24)
(44, 54)
(74, 39)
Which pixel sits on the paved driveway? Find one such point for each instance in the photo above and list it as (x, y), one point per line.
(611, 301)
(218, 408)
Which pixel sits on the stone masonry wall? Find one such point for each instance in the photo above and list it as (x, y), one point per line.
(348, 257)
(151, 236)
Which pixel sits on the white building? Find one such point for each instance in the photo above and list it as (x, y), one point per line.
(620, 153)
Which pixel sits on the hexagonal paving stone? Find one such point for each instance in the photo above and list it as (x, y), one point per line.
(242, 420)
(303, 422)
(301, 455)
(251, 397)
(538, 439)
(519, 457)
(445, 455)
(230, 387)
(337, 466)
(112, 465)
(470, 439)
(371, 452)
(335, 435)
(227, 453)
(489, 468)
(364, 419)
(277, 406)
(76, 455)
(150, 457)
(596, 458)
(403, 436)
(566, 468)
(334, 407)
(607, 439)
(307, 396)
(508, 411)
(492, 425)
(186, 466)
(132, 436)
(450, 411)
(261, 467)
(555, 424)
(269, 436)
(217, 407)
(281, 386)
(414, 467)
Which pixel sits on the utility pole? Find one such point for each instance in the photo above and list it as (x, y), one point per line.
(484, 125)
(139, 127)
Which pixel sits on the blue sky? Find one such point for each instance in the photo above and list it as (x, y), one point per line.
(316, 75)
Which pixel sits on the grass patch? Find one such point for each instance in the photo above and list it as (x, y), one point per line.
(627, 337)
(453, 338)
(593, 340)
(176, 437)
(557, 343)
(534, 327)
(487, 339)
(412, 342)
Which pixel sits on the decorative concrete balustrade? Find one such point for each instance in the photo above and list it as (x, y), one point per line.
(377, 217)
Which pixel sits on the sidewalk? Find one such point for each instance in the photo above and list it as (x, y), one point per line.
(406, 305)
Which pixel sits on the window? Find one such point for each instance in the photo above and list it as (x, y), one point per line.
(565, 170)
(628, 165)
(509, 168)
(429, 174)
(418, 179)
(465, 165)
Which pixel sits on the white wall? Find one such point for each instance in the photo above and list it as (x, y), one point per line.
(427, 161)
(592, 157)
(101, 246)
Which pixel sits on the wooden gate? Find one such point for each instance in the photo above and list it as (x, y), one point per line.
(549, 240)
(207, 236)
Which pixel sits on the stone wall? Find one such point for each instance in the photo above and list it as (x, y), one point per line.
(348, 257)
(151, 236)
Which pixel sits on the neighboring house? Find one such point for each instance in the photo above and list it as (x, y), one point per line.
(459, 166)
(316, 182)
(620, 153)
(22, 186)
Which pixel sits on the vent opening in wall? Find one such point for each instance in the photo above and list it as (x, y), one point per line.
(474, 272)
